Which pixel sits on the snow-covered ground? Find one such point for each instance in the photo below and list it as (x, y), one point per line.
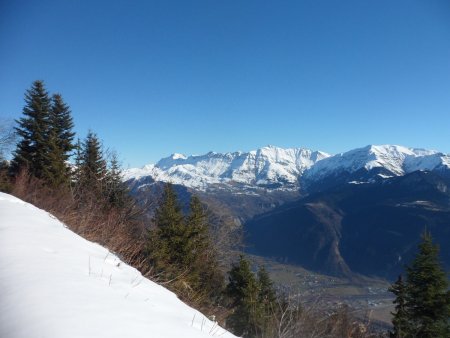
(54, 283)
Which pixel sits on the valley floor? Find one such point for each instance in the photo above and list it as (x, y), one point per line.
(367, 298)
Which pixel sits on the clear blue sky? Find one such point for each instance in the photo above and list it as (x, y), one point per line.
(157, 77)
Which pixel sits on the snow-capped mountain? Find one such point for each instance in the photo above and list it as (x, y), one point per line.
(276, 168)
(268, 167)
(376, 162)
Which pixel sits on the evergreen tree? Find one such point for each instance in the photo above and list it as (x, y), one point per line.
(205, 276)
(427, 299)
(78, 168)
(400, 316)
(92, 167)
(242, 290)
(197, 236)
(61, 124)
(5, 184)
(166, 241)
(116, 190)
(33, 130)
(56, 171)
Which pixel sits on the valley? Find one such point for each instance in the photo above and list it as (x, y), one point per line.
(367, 298)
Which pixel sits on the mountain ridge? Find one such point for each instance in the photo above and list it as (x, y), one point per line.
(275, 168)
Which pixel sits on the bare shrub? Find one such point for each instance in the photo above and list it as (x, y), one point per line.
(120, 230)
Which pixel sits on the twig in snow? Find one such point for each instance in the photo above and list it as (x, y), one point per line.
(203, 323)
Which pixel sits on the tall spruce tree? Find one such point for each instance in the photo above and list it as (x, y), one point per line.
(91, 171)
(400, 319)
(267, 294)
(167, 245)
(242, 290)
(61, 124)
(56, 170)
(116, 191)
(205, 276)
(33, 130)
(427, 297)
(423, 301)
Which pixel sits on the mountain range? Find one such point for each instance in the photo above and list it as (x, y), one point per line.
(358, 212)
(272, 168)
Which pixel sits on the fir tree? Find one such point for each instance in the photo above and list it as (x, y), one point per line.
(56, 172)
(116, 190)
(166, 241)
(33, 130)
(400, 316)
(197, 236)
(205, 275)
(61, 123)
(427, 298)
(92, 170)
(242, 290)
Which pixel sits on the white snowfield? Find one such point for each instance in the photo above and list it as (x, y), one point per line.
(55, 284)
(277, 168)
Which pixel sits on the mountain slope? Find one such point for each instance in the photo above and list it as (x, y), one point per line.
(57, 284)
(372, 163)
(370, 229)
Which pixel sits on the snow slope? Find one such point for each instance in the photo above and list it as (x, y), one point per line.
(56, 284)
(267, 166)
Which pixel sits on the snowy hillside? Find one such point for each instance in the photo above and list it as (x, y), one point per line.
(266, 167)
(57, 284)
(284, 169)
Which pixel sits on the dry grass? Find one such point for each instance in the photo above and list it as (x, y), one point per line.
(121, 231)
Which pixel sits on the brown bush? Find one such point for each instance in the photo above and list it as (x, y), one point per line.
(119, 230)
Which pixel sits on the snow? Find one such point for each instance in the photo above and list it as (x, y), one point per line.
(56, 284)
(267, 165)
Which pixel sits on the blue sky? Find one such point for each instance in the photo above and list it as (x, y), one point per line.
(157, 77)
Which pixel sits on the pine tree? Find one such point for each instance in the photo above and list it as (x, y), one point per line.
(400, 316)
(166, 241)
(61, 123)
(205, 276)
(427, 299)
(33, 130)
(116, 190)
(197, 236)
(60, 142)
(242, 290)
(5, 184)
(56, 171)
(93, 165)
